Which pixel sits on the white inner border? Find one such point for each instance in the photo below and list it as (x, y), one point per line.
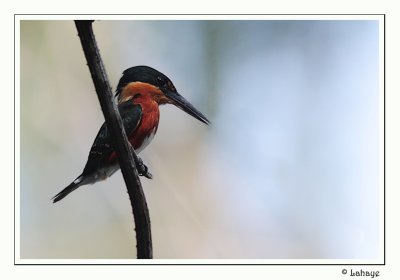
(379, 260)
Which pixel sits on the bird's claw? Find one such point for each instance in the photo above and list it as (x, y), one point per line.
(143, 170)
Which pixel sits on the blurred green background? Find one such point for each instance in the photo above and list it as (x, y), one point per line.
(288, 168)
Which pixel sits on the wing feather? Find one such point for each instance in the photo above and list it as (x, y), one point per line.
(102, 147)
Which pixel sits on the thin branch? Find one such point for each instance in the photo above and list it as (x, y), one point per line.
(126, 155)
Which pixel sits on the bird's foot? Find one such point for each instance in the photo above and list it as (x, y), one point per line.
(142, 169)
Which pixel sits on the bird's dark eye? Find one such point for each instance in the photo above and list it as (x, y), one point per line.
(160, 81)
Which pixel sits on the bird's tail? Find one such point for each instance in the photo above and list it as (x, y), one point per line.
(71, 187)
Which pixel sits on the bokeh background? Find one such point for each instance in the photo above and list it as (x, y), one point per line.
(288, 169)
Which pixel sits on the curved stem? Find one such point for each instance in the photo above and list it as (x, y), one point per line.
(126, 155)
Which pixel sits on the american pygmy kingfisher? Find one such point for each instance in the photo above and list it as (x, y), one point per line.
(140, 91)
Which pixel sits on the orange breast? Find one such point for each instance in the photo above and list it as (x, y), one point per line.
(148, 97)
(147, 128)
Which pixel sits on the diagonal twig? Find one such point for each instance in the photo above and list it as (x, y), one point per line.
(126, 155)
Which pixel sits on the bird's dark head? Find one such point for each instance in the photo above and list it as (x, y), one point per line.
(147, 82)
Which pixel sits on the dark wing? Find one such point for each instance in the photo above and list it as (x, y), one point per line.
(102, 147)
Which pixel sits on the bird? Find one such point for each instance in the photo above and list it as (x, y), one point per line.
(139, 92)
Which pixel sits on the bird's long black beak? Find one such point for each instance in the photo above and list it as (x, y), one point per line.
(182, 103)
